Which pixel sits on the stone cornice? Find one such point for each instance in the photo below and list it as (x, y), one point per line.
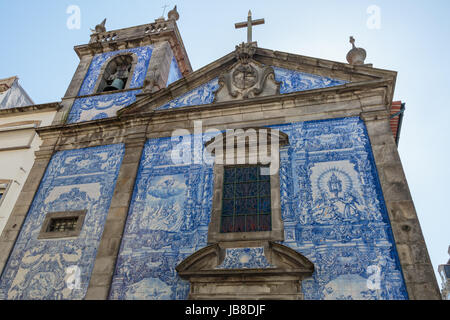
(31, 109)
(319, 93)
(342, 101)
(139, 36)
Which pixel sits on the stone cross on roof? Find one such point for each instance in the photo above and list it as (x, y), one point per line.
(249, 24)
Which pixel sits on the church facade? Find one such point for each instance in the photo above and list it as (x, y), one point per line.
(263, 175)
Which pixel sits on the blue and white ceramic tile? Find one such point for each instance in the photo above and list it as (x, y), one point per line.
(75, 180)
(334, 212)
(174, 72)
(144, 55)
(291, 81)
(167, 222)
(101, 106)
(332, 206)
(203, 94)
(245, 258)
(294, 81)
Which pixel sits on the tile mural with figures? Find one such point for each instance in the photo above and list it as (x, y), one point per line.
(167, 222)
(81, 179)
(332, 206)
(290, 81)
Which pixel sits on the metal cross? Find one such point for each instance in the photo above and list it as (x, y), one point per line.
(249, 24)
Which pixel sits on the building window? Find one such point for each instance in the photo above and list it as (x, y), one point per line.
(4, 186)
(246, 202)
(117, 74)
(62, 225)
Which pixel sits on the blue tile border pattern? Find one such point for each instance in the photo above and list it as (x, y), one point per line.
(81, 179)
(101, 106)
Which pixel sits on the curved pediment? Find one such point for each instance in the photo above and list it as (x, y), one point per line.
(268, 271)
(218, 260)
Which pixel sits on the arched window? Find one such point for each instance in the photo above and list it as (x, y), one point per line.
(116, 74)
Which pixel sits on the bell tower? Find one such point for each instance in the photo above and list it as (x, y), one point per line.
(116, 66)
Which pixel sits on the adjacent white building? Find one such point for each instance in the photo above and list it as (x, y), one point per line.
(19, 119)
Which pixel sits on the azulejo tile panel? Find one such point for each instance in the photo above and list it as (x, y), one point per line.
(291, 81)
(245, 258)
(203, 94)
(174, 72)
(143, 54)
(101, 106)
(167, 222)
(294, 81)
(334, 212)
(332, 205)
(42, 269)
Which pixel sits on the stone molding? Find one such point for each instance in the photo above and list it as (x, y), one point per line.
(282, 281)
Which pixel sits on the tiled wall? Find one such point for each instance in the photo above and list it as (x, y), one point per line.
(75, 180)
(332, 206)
(174, 72)
(167, 222)
(105, 106)
(334, 212)
(291, 81)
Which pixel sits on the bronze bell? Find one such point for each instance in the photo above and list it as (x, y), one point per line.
(117, 84)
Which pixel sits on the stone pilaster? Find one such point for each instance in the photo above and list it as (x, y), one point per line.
(108, 250)
(23, 203)
(159, 67)
(413, 254)
(73, 89)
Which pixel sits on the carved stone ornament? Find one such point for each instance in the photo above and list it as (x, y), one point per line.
(247, 78)
(100, 27)
(273, 271)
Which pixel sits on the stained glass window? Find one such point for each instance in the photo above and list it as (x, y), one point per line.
(246, 205)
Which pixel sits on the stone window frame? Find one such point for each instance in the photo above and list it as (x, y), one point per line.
(277, 224)
(105, 65)
(7, 185)
(44, 234)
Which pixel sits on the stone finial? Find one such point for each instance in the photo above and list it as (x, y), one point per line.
(100, 27)
(173, 14)
(356, 56)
